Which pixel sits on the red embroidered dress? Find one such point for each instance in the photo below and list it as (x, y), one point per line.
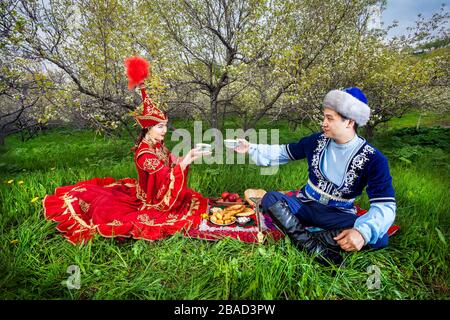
(155, 206)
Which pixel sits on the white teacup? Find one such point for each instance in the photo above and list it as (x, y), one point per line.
(231, 143)
(203, 147)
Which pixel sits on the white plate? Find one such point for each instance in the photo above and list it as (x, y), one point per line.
(219, 224)
(222, 225)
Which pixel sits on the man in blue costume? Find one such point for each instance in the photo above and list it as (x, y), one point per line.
(340, 165)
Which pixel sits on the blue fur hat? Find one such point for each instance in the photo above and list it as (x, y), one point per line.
(350, 102)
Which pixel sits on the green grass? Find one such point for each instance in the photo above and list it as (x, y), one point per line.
(34, 257)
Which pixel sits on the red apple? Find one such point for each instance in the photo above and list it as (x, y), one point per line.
(225, 195)
(239, 200)
(233, 197)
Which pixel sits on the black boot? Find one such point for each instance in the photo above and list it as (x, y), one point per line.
(326, 247)
(289, 223)
(320, 243)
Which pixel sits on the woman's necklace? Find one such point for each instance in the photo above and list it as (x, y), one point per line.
(160, 151)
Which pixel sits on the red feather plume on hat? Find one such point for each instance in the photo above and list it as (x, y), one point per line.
(137, 70)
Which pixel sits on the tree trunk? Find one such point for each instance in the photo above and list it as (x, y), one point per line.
(418, 122)
(245, 123)
(369, 131)
(214, 115)
(223, 116)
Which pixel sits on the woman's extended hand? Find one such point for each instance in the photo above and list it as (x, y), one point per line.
(192, 155)
(243, 146)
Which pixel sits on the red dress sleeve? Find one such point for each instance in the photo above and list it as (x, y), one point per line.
(166, 184)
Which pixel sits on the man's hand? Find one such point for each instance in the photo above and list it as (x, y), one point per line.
(243, 146)
(350, 240)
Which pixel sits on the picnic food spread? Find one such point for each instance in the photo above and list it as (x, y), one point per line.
(227, 216)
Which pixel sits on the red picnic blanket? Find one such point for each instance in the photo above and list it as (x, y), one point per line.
(249, 232)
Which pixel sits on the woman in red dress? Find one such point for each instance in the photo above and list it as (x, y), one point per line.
(154, 206)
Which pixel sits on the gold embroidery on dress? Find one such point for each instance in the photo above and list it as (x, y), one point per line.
(195, 204)
(68, 200)
(84, 205)
(172, 216)
(151, 164)
(140, 194)
(168, 200)
(168, 194)
(115, 223)
(160, 193)
(142, 168)
(129, 185)
(162, 153)
(145, 219)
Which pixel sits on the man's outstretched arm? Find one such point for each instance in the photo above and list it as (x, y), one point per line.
(273, 155)
(264, 154)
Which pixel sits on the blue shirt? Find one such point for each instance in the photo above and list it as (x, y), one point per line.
(334, 164)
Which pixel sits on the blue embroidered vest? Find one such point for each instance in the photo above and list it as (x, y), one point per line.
(367, 168)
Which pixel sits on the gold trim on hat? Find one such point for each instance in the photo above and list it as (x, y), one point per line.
(150, 118)
(158, 120)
